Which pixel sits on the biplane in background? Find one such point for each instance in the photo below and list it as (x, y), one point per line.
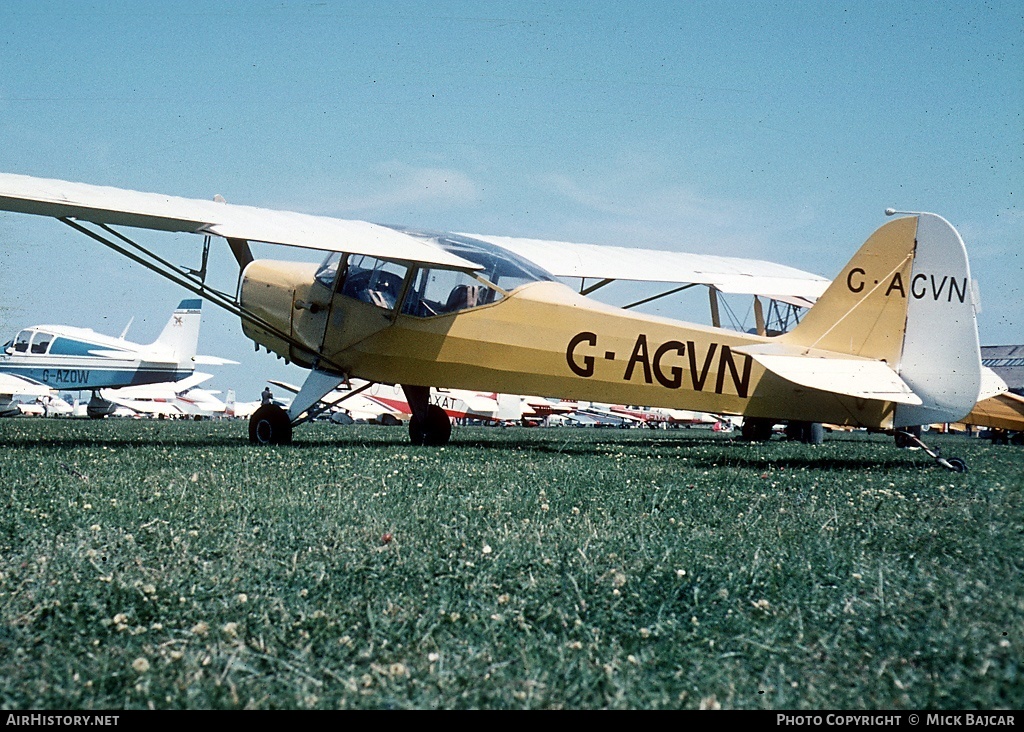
(80, 359)
(890, 344)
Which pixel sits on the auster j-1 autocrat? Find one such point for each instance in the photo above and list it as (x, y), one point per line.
(889, 344)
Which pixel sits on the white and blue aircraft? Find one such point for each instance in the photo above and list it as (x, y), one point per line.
(79, 359)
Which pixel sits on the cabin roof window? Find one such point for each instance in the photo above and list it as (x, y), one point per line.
(500, 266)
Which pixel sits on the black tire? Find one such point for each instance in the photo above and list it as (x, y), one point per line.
(269, 425)
(815, 433)
(390, 420)
(434, 431)
(757, 429)
(957, 465)
(796, 431)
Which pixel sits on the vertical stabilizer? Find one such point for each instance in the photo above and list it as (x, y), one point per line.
(864, 311)
(906, 299)
(180, 337)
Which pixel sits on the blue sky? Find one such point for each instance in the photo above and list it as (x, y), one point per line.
(778, 131)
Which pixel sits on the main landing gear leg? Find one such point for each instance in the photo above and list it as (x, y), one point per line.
(906, 437)
(429, 424)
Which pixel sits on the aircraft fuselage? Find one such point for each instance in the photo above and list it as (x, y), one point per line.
(542, 338)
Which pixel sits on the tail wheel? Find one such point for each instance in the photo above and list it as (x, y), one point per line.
(434, 431)
(269, 425)
(957, 465)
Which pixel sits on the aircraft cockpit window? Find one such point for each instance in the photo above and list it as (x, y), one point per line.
(441, 291)
(22, 341)
(41, 342)
(500, 266)
(374, 281)
(328, 271)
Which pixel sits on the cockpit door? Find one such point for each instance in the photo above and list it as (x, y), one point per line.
(352, 297)
(311, 309)
(310, 313)
(365, 303)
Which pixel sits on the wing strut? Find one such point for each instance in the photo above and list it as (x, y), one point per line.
(184, 277)
(323, 405)
(658, 297)
(596, 286)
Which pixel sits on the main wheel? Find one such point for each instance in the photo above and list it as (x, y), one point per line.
(435, 430)
(269, 425)
(757, 429)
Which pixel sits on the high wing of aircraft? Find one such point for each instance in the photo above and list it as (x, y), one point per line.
(423, 309)
(779, 292)
(78, 359)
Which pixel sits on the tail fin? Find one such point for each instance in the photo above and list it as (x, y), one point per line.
(906, 298)
(179, 339)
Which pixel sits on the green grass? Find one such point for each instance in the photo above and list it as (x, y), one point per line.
(172, 565)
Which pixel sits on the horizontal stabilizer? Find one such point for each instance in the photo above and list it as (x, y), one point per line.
(837, 373)
(992, 384)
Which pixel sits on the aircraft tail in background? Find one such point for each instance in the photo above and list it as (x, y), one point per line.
(179, 340)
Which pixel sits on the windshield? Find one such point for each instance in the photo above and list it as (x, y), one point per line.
(433, 290)
(500, 266)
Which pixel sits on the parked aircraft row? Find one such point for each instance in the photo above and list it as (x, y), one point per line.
(396, 305)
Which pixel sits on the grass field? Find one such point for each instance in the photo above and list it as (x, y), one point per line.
(172, 565)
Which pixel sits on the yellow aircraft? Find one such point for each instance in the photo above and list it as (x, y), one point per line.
(890, 344)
